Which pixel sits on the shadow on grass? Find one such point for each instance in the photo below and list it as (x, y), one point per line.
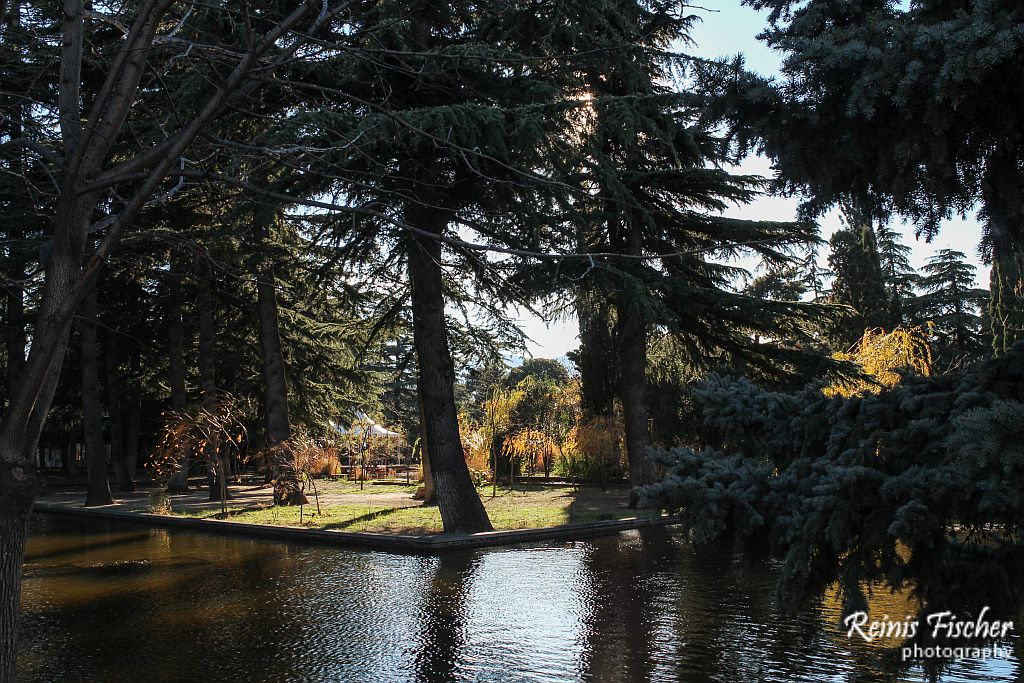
(232, 512)
(368, 517)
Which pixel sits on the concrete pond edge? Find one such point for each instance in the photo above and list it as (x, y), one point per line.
(431, 543)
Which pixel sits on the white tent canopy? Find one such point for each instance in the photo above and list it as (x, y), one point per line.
(364, 425)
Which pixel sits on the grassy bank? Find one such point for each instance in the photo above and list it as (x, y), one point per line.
(345, 508)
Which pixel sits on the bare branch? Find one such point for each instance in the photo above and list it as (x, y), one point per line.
(106, 19)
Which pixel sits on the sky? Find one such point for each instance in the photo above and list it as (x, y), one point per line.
(726, 29)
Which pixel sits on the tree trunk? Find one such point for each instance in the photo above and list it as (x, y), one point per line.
(14, 319)
(597, 354)
(632, 383)
(428, 495)
(116, 412)
(275, 393)
(15, 337)
(19, 486)
(461, 508)
(176, 358)
(1004, 241)
(633, 354)
(73, 454)
(97, 486)
(23, 420)
(132, 418)
(215, 470)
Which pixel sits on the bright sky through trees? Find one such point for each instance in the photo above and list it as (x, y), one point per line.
(727, 29)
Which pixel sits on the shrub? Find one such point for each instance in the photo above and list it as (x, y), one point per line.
(919, 485)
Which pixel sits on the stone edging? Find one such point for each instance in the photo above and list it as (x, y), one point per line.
(391, 542)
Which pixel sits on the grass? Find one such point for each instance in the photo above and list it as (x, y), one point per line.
(529, 507)
(344, 486)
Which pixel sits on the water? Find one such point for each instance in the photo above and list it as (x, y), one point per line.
(110, 602)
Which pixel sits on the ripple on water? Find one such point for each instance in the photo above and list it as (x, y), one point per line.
(103, 602)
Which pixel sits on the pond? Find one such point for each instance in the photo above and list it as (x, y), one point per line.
(110, 602)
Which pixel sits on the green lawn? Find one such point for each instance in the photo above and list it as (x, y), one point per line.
(527, 508)
(326, 486)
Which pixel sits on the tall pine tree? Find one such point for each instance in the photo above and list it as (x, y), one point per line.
(658, 192)
(953, 306)
(917, 105)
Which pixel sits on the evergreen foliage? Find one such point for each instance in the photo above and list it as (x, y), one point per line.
(899, 275)
(917, 486)
(953, 306)
(858, 283)
(658, 195)
(915, 108)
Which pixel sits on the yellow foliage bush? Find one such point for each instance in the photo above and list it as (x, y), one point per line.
(882, 355)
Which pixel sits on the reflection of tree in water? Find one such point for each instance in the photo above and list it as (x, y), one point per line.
(658, 609)
(620, 622)
(442, 639)
(177, 605)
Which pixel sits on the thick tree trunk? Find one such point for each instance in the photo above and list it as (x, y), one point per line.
(132, 418)
(460, 506)
(216, 471)
(15, 336)
(633, 355)
(1004, 241)
(14, 319)
(19, 486)
(97, 487)
(427, 494)
(115, 408)
(275, 393)
(632, 384)
(176, 358)
(597, 362)
(23, 421)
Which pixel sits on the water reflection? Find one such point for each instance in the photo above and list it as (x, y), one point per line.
(441, 618)
(106, 602)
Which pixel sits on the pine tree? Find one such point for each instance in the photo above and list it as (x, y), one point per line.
(658, 187)
(900, 277)
(596, 359)
(452, 125)
(778, 284)
(916, 485)
(952, 305)
(917, 106)
(858, 282)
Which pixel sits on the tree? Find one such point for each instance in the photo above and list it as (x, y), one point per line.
(97, 486)
(952, 305)
(596, 359)
(84, 173)
(858, 282)
(540, 369)
(452, 117)
(496, 423)
(884, 358)
(917, 107)
(916, 485)
(287, 490)
(779, 284)
(536, 410)
(658, 192)
(900, 277)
